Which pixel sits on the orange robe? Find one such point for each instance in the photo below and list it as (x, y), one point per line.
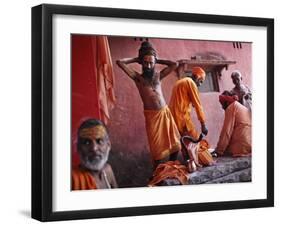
(184, 95)
(171, 169)
(162, 133)
(236, 133)
(82, 180)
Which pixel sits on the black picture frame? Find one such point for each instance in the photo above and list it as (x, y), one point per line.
(42, 108)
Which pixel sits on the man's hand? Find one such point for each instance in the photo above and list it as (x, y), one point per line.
(216, 153)
(171, 66)
(204, 129)
(138, 60)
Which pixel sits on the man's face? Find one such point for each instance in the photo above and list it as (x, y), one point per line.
(236, 79)
(198, 81)
(93, 147)
(148, 65)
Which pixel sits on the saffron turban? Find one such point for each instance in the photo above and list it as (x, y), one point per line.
(227, 99)
(199, 72)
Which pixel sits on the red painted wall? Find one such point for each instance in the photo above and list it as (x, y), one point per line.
(84, 93)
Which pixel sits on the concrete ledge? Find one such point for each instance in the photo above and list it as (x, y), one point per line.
(226, 170)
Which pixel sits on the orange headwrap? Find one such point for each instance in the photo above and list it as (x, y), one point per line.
(227, 99)
(199, 72)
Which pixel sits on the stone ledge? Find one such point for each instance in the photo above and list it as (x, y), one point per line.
(226, 170)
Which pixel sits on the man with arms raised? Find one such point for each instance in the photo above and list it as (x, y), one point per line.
(162, 133)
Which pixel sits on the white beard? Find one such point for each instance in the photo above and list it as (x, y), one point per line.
(94, 164)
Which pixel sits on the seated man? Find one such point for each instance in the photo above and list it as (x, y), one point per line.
(235, 137)
(93, 148)
(243, 92)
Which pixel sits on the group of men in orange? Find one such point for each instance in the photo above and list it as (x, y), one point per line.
(165, 124)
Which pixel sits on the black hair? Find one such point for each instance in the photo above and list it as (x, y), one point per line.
(226, 93)
(146, 49)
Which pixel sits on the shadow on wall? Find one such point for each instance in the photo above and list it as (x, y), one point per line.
(131, 170)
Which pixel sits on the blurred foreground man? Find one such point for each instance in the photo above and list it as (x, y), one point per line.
(93, 148)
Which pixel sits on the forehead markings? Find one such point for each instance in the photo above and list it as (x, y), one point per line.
(95, 132)
(149, 58)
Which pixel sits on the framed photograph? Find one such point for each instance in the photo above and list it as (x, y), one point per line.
(145, 112)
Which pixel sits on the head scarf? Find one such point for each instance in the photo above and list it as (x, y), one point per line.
(199, 73)
(227, 99)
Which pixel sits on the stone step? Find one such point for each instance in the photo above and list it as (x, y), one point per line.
(226, 170)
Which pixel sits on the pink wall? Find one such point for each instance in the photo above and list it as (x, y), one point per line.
(127, 124)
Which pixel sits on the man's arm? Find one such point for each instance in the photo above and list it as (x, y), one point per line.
(171, 66)
(123, 64)
(180, 70)
(196, 103)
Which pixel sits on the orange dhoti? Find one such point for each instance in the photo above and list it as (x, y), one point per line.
(82, 180)
(162, 133)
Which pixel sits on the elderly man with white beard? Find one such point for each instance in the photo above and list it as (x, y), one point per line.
(93, 148)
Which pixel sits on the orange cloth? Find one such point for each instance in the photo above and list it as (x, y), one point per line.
(105, 76)
(204, 156)
(184, 95)
(199, 72)
(236, 133)
(171, 169)
(82, 180)
(162, 133)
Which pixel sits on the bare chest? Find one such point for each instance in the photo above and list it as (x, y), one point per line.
(148, 84)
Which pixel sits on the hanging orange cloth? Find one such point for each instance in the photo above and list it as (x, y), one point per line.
(105, 76)
(82, 180)
(172, 170)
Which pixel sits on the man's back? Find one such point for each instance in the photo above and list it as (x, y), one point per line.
(238, 127)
